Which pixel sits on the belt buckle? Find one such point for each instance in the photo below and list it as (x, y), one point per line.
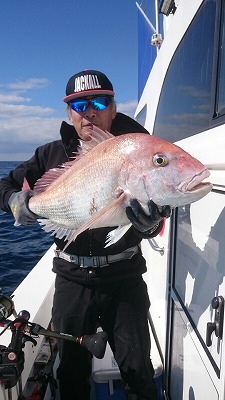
(93, 262)
(86, 262)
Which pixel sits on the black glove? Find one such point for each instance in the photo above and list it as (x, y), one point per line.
(18, 202)
(143, 222)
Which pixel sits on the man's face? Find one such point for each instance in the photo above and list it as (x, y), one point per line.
(83, 121)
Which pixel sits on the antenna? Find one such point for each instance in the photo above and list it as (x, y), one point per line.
(145, 17)
(156, 37)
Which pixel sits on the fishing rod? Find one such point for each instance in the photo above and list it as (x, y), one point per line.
(12, 356)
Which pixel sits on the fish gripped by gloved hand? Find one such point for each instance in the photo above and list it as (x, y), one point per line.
(94, 190)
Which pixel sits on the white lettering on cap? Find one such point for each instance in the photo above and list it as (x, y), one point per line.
(86, 82)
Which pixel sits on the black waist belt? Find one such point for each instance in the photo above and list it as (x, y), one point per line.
(97, 261)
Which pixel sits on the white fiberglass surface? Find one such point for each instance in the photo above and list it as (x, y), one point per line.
(199, 263)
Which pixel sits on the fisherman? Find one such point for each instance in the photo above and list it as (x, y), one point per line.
(94, 286)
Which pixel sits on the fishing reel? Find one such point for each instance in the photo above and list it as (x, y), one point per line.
(6, 306)
(12, 356)
(11, 366)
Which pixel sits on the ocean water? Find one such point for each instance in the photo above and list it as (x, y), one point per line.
(20, 247)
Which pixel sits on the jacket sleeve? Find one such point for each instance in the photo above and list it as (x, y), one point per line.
(32, 170)
(48, 156)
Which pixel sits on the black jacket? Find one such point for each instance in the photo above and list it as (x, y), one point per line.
(90, 242)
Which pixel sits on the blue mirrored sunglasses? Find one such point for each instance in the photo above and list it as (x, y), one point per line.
(98, 104)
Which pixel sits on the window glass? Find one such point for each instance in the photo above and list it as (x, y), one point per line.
(220, 108)
(184, 105)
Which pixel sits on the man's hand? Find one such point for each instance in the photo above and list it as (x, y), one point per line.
(143, 222)
(18, 202)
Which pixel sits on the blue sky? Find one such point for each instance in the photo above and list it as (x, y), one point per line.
(42, 44)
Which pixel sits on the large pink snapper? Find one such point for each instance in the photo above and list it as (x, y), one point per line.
(93, 190)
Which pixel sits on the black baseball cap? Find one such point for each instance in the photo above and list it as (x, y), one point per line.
(87, 83)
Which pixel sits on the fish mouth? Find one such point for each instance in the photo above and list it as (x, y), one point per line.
(195, 183)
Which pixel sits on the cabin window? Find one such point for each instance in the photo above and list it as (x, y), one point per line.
(184, 107)
(220, 103)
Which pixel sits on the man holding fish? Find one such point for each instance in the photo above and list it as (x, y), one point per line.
(99, 270)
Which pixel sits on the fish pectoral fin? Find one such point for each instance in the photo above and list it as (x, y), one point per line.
(116, 234)
(109, 214)
(104, 217)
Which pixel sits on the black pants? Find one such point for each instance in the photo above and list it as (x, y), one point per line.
(121, 310)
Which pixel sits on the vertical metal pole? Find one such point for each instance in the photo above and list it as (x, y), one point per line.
(156, 16)
(157, 20)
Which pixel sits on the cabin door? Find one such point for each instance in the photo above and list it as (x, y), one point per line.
(195, 360)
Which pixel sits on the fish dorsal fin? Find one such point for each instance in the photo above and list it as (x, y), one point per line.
(97, 137)
(25, 184)
(47, 179)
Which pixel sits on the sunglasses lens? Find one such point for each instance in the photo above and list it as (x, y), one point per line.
(100, 103)
(79, 105)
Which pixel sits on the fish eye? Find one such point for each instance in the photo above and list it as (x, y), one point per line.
(160, 160)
